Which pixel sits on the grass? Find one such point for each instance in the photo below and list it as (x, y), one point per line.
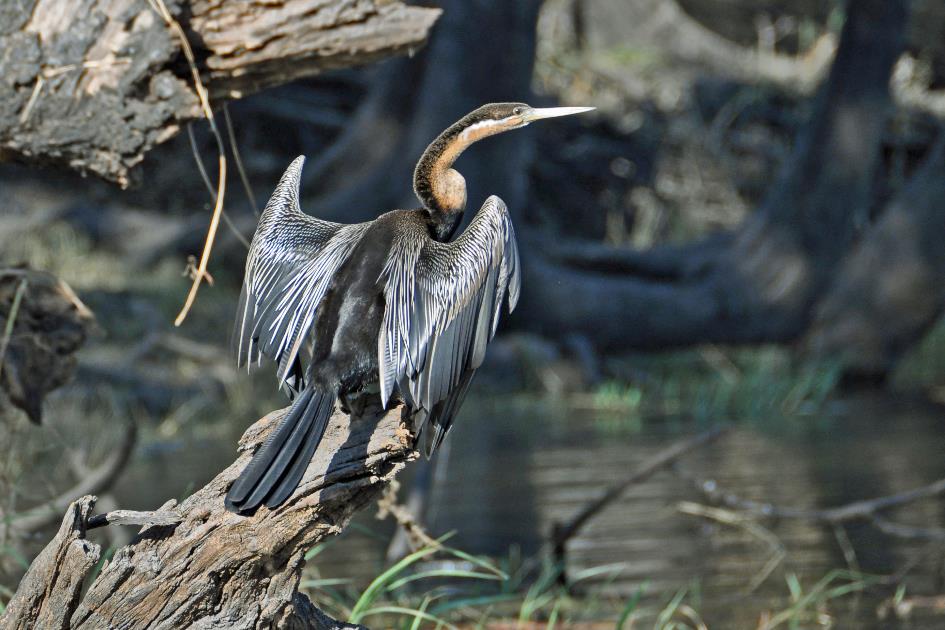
(470, 591)
(709, 383)
(806, 606)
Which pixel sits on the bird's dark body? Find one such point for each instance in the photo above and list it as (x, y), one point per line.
(392, 302)
(345, 333)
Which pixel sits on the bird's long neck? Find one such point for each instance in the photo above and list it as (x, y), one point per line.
(440, 188)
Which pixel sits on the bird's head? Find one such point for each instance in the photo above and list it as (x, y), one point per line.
(440, 187)
(498, 117)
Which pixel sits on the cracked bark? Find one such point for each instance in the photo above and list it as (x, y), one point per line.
(216, 569)
(96, 84)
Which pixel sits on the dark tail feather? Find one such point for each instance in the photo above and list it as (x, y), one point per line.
(290, 481)
(277, 468)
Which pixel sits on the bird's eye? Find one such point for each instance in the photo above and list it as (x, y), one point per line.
(518, 111)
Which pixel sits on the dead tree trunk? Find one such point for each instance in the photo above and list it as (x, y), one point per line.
(761, 283)
(95, 84)
(214, 568)
(888, 292)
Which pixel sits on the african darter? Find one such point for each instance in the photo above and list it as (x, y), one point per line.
(391, 304)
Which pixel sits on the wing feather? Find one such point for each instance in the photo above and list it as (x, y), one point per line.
(443, 304)
(290, 266)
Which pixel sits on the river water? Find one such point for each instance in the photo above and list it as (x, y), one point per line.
(516, 466)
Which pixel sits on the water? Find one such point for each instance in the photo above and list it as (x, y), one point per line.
(515, 467)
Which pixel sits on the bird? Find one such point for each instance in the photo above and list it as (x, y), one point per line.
(394, 307)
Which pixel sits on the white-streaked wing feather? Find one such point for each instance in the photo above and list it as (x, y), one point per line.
(291, 262)
(443, 302)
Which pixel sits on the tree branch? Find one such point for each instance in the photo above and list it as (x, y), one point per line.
(89, 68)
(866, 510)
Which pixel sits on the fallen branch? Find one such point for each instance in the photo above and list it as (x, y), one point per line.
(866, 510)
(562, 532)
(197, 565)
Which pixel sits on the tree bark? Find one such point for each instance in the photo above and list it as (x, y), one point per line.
(215, 569)
(96, 84)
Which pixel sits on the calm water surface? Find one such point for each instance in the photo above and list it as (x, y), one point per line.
(516, 467)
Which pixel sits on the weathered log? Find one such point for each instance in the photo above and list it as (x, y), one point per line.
(214, 568)
(95, 84)
(50, 589)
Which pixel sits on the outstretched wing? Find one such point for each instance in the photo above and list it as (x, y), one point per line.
(443, 304)
(290, 266)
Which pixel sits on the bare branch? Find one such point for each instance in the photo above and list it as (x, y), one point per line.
(866, 510)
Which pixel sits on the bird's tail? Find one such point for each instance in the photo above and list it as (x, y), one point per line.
(277, 467)
(436, 423)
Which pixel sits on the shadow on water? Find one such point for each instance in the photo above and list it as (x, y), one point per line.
(517, 466)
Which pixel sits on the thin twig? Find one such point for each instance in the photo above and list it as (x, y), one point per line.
(161, 9)
(239, 160)
(846, 546)
(858, 510)
(899, 530)
(199, 160)
(749, 525)
(11, 320)
(866, 510)
(213, 193)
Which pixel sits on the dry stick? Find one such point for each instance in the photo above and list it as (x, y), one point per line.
(161, 9)
(867, 510)
(387, 504)
(11, 320)
(162, 518)
(561, 533)
(239, 159)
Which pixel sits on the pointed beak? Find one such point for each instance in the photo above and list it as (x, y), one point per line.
(554, 112)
